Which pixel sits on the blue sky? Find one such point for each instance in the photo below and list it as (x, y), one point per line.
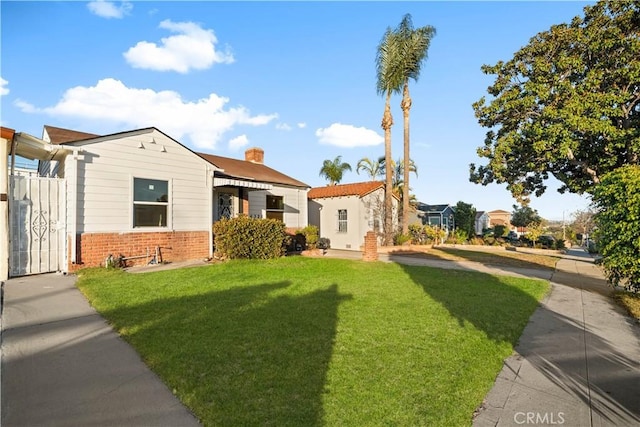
(295, 78)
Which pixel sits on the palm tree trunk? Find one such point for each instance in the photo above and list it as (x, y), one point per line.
(406, 106)
(387, 122)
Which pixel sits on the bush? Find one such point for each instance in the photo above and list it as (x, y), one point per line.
(417, 234)
(460, 236)
(433, 234)
(499, 230)
(311, 235)
(476, 241)
(617, 200)
(245, 237)
(401, 239)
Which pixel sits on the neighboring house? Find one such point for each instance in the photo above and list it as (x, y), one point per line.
(481, 222)
(436, 215)
(131, 192)
(344, 213)
(500, 217)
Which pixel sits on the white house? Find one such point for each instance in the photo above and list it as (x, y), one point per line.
(133, 192)
(481, 222)
(344, 213)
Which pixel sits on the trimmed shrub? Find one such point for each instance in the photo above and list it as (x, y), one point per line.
(245, 237)
(311, 235)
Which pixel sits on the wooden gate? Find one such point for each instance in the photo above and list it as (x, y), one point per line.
(37, 210)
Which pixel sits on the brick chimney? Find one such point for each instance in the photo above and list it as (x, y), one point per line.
(254, 155)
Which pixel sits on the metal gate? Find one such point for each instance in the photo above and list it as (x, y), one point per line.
(36, 225)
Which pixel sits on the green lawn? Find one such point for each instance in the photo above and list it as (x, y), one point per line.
(301, 341)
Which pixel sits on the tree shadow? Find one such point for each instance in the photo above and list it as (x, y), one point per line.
(494, 258)
(578, 357)
(483, 300)
(573, 356)
(240, 356)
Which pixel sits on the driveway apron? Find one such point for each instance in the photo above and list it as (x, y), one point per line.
(63, 365)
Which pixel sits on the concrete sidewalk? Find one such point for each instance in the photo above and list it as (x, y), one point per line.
(577, 362)
(62, 365)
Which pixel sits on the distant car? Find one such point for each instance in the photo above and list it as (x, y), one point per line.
(512, 236)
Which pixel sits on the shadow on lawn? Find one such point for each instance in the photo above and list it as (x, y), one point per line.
(241, 356)
(498, 258)
(488, 304)
(502, 312)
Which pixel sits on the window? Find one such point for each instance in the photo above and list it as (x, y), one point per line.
(275, 207)
(150, 202)
(342, 221)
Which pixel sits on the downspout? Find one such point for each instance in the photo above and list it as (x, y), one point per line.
(73, 217)
(209, 175)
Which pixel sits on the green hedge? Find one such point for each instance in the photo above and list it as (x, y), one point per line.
(245, 237)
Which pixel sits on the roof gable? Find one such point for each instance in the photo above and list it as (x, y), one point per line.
(359, 189)
(433, 208)
(231, 167)
(60, 136)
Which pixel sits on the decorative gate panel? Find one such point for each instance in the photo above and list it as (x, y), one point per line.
(36, 225)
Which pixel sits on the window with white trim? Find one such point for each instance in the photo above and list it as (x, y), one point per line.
(342, 220)
(150, 202)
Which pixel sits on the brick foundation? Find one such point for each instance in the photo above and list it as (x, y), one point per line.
(370, 247)
(94, 248)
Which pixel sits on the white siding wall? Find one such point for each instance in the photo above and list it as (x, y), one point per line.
(104, 190)
(361, 213)
(295, 204)
(354, 237)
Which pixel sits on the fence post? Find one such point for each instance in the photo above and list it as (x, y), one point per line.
(370, 247)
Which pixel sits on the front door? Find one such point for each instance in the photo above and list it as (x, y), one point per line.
(225, 205)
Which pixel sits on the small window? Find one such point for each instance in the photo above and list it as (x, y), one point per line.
(150, 202)
(342, 221)
(275, 207)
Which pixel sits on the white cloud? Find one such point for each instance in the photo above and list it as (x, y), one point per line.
(192, 47)
(302, 125)
(348, 136)
(283, 126)
(204, 121)
(4, 90)
(238, 142)
(108, 9)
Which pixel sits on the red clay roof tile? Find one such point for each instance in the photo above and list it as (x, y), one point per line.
(360, 189)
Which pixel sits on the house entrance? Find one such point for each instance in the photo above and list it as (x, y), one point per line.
(37, 209)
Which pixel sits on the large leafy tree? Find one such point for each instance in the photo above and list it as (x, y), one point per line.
(617, 201)
(333, 170)
(566, 105)
(413, 46)
(388, 81)
(524, 216)
(465, 218)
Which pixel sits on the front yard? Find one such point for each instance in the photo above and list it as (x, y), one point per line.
(299, 341)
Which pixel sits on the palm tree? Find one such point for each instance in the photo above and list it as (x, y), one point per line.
(372, 167)
(389, 80)
(413, 46)
(333, 170)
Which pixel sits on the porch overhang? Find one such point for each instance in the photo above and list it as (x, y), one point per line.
(234, 182)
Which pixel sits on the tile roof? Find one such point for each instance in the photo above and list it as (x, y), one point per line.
(60, 135)
(248, 170)
(360, 189)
